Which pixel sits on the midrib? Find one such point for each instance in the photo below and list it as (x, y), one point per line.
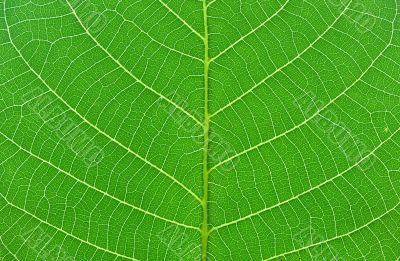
(206, 124)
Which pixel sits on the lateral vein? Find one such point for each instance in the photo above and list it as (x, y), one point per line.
(340, 236)
(283, 66)
(129, 72)
(311, 117)
(181, 19)
(249, 33)
(93, 125)
(95, 188)
(310, 189)
(64, 232)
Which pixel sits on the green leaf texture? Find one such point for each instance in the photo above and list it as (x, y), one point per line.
(199, 130)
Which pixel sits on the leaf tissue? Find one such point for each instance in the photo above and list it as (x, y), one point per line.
(199, 130)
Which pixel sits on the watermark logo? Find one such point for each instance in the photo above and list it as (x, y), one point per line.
(92, 19)
(362, 19)
(328, 122)
(179, 244)
(41, 243)
(221, 148)
(64, 127)
(310, 238)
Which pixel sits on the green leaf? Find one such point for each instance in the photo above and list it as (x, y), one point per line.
(199, 130)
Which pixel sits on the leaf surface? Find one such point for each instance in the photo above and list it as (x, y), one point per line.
(199, 130)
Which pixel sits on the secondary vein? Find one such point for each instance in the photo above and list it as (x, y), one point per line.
(94, 126)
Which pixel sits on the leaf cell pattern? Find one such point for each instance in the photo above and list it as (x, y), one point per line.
(199, 130)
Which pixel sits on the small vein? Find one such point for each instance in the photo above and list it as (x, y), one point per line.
(249, 33)
(93, 125)
(181, 19)
(129, 72)
(210, 3)
(280, 204)
(5, 246)
(64, 232)
(337, 237)
(94, 188)
(283, 66)
(312, 116)
(158, 42)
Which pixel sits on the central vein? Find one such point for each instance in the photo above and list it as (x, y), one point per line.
(204, 226)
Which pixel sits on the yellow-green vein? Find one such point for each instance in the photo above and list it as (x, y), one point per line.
(206, 123)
